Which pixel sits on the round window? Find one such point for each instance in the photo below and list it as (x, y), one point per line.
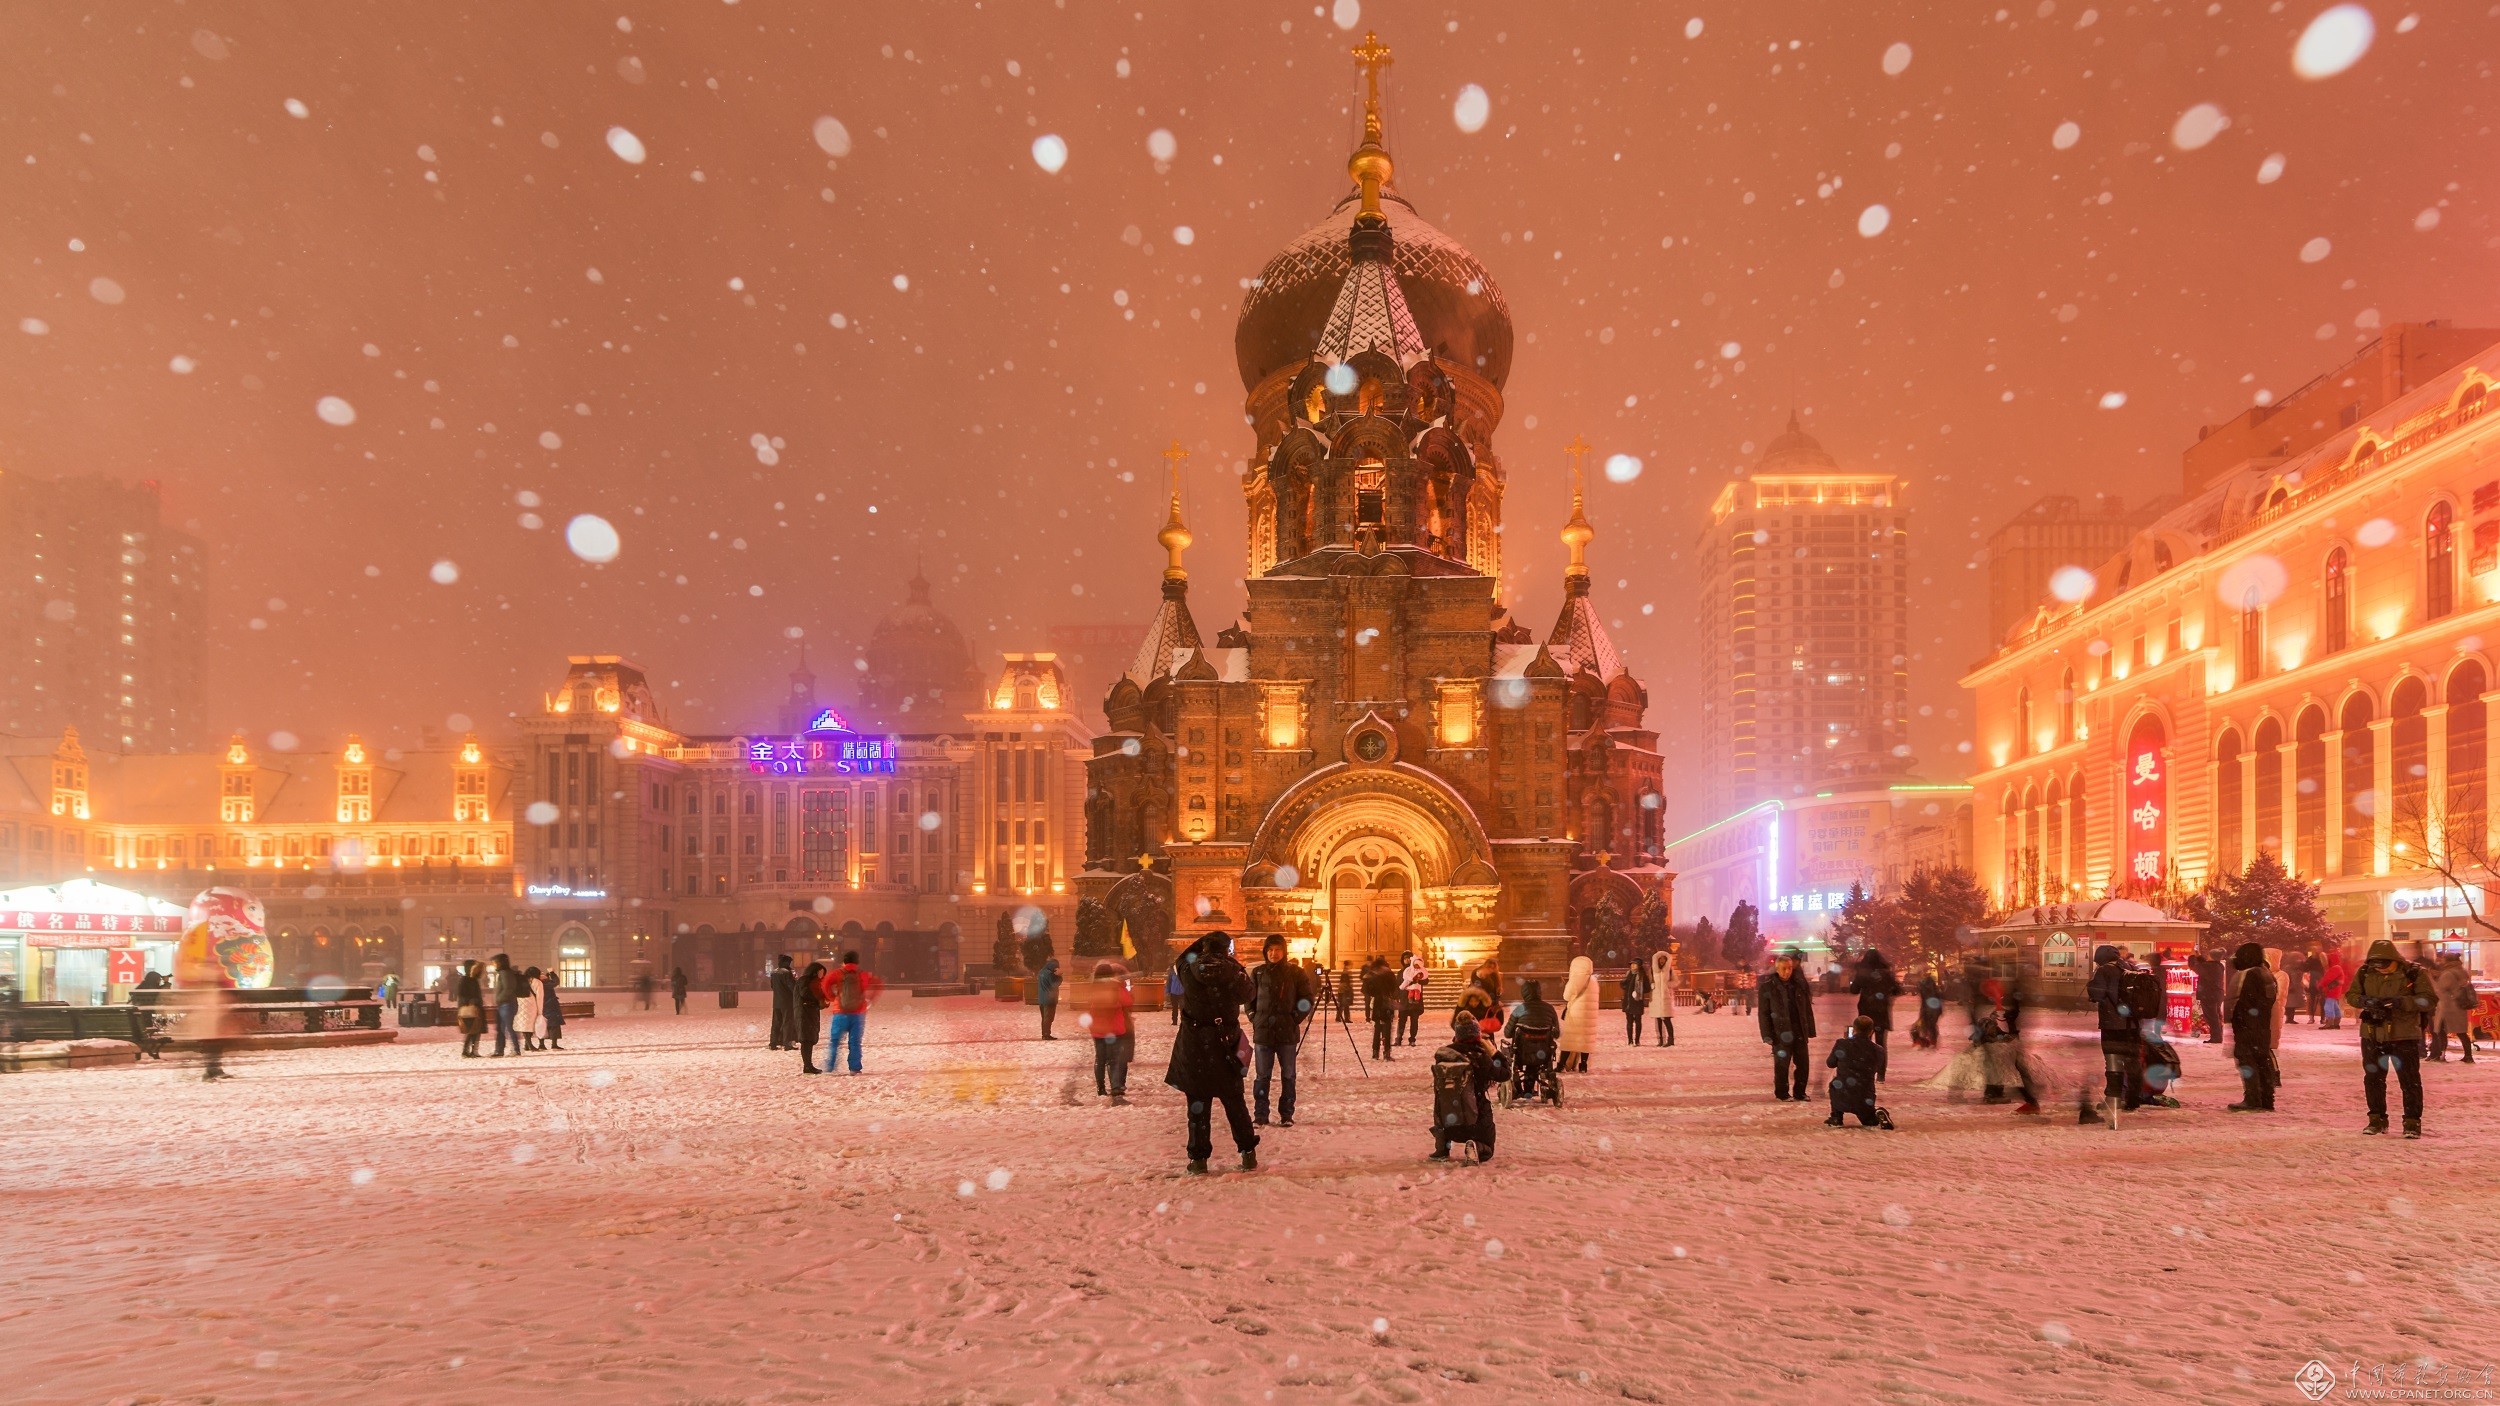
(1371, 746)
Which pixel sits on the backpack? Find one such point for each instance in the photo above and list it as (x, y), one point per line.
(847, 993)
(1453, 1093)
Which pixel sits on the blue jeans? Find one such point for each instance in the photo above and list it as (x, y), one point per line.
(839, 1024)
(505, 1013)
(1264, 1059)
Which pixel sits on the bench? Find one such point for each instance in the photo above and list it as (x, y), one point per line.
(57, 1020)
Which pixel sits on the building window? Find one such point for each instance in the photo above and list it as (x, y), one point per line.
(2338, 631)
(2252, 637)
(2360, 802)
(2066, 707)
(2439, 561)
(2022, 722)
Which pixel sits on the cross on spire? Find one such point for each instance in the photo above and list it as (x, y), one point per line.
(1577, 533)
(1175, 534)
(1369, 166)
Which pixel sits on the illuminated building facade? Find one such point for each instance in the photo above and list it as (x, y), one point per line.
(1796, 860)
(2298, 659)
(1805, 628)
(1374, 759)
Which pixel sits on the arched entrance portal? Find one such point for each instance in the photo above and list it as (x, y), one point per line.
(1371, 907)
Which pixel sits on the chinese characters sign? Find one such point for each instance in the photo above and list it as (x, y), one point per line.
(2147, 823)
(829, 748)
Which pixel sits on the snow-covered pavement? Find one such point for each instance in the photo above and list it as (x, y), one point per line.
(666, 1211)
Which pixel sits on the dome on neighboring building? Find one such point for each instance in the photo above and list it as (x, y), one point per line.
(1793, 448)
(1456, 305)
(919, 672)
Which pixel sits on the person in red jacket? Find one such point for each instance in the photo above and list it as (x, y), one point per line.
(848, 989)
(1115, 1038)
(2331, 992)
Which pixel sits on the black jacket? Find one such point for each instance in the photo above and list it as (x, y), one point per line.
(1280, 999)
(2252, 1010)
(1876, 987)
(1854, 1062)
(1636, 983)
(1206, 1054)
(1380, 994)
(1784, 1007)
(2110, 996)
(785, 989)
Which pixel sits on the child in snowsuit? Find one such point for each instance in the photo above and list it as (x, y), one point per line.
(1462, 1071)
(1856, 1061)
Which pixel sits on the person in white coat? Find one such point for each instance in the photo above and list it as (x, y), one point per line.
(533, 1005)
(1579, 1015)
(1662, 996)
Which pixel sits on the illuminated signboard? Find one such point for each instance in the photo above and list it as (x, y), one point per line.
(2148, 799)
(563, 891)
(828, 748)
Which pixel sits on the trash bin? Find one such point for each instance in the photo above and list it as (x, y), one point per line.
(729, 998)
(416, 1011)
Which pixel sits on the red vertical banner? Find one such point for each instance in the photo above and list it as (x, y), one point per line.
(2146, 822)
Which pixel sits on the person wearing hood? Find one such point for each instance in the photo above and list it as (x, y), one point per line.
(1280, 1002)
(2122, 1032)
(1412, 979)
(1662, 996)
(2456, 1007)
(2393, 999)
(1876, 986)
(1208, 1052)
(785, 982)
(811, 1015)
(1462, 1071)
(468, 999)
(1784, 1011)
(2254, 1028)
(1047, 992)
(1635, 994)
(551, 1015)
(1579, 1015)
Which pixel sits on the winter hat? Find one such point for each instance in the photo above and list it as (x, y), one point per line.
(1275, 942)
(2249, 955)
(1532, 990)
(2382, 951)
(2104, 953)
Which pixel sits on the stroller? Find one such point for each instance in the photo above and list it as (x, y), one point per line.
(1534, 1063)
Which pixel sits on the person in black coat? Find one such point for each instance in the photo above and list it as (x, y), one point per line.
(551, 1009)
(785, 1004)
(1785, 1012)
(1466, 1049)
(1280, 1002)
(1380, 1006)
(2252, 1029)
(1857, 1062)
(1636, 986)
(2122, 1029)
(1930, 1009)
(2210, 980)
(676, 990)
(1876, 986)
(1207, 1052)
(808, 1019)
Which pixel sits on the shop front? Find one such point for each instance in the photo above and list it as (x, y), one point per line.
(2048, 949)
(83, 943)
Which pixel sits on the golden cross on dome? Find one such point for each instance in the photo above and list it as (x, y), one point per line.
(1369, 166)
(1145, 861)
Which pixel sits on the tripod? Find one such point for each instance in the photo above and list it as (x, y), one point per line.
(1351, 1048)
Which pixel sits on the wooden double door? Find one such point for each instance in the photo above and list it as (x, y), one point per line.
(1369, 916)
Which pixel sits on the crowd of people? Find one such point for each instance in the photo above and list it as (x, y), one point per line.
(524, 1005)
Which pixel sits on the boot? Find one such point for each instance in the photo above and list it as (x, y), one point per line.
(2378, 1125)
(1198, 1166)
(1250, 1161)
(1883, 1119)
(2413, 1129)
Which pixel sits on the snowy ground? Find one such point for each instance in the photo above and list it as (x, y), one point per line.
(667, 1212)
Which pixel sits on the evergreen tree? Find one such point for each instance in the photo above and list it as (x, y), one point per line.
(1007, 949)
(1852, 927)
(1649, 926)
(1602, 935)
(1743, 943)
(1701, 948)
(2264, 905)
(1937, 902)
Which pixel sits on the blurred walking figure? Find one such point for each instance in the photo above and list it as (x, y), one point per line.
(551, 1011)
(533, 1007)
(469, 1002)
(1856, 1063)
(2122, 1034)
(849, 990)
(785, 983)
(505, 992)
(1876, 988)
(1115, 1039)
(2393, 999)
(1923, 1032)
(811, 1015)
(1635, 993)
(1049, 993)
(1280, 1007)
(1412, 979)
(1786, 1016)
(2456, 1007)
(1172, 992)
(1207, 1055)
(1579, 1015)
(1662, 996)
(2254, 1029)
(208, 994)
(676, 989)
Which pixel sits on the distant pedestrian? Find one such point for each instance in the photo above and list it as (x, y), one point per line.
(785, 987)
(1207, 1063)
(1172, 993)
(1412, 981)
(676, 989)
(2456, 1007)
(1748, 993)
(2212, 988)
(551, 1010)
(1877, 987)
(1662, 996)
(506, 996)
(1462, 1071)
(2122, 1033)
(2254, 1030)
(1047, 990)
(1857, 1062)
(811, 1015)
(1280, 1008)
(2394, 1000)
(1380, 1004)
(1635, 995)
(1115, 1037)
(2331, 991)
(1579, 1015)
(2148, 993)
(849, 990)
(1786, 1019)
(1345, 992)
(1923, 1028)
(469, 1006)
(1488, 975)
(2312, 983)
(533, 1007)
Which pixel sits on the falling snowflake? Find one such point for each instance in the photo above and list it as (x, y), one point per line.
(1473, 108)
(335, 410)
(2333, 42)
(627, 146)
(1050, 152)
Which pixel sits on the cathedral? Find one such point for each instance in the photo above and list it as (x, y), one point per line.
(1376, 758)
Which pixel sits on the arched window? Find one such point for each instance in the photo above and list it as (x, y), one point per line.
(2066, 707)
(2252, 637)
(2309, 792)
(2409, 758)
(2162, 560)
(2028, 890)
(2439, 561)
(2360, 801)
(2022, 722)
(2468, 765)
(2338, 624)
(2227, 793)
(2269, 746)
